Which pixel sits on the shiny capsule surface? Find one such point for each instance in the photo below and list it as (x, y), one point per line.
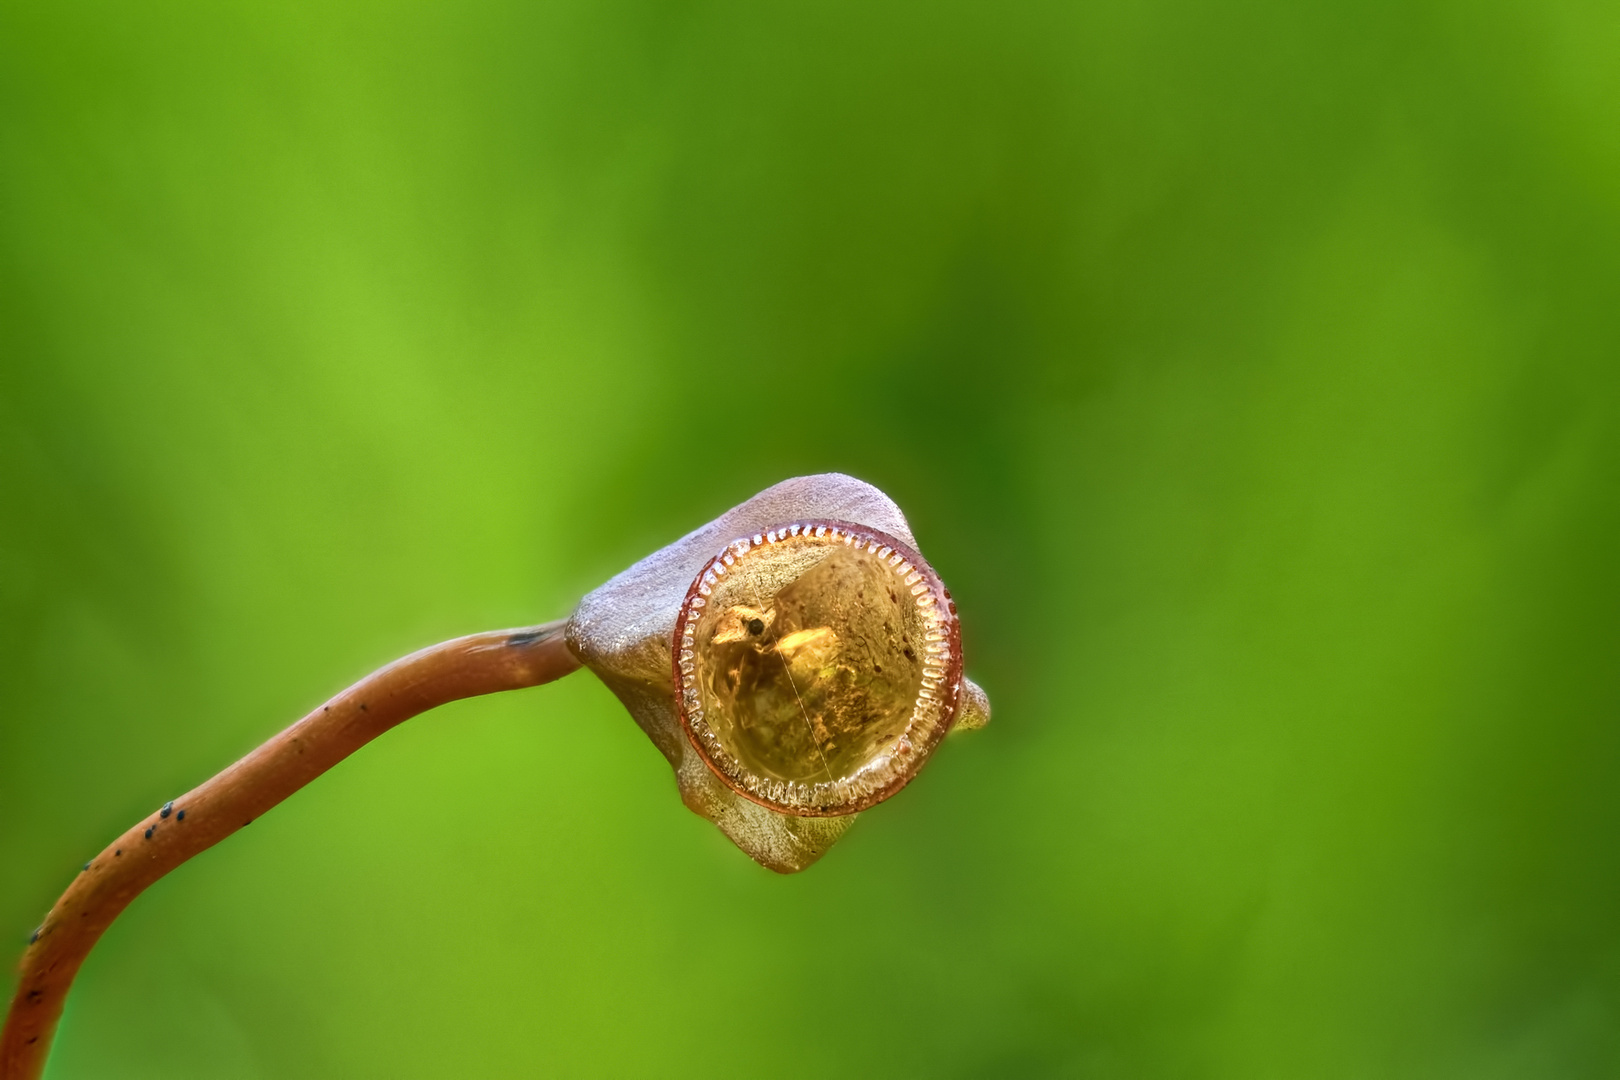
(816, 666)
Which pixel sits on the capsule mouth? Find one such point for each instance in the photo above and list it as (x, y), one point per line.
(816, 666)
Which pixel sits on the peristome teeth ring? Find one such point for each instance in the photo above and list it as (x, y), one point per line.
(816, 666)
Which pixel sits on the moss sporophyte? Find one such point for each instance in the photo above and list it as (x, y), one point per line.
(796, 660)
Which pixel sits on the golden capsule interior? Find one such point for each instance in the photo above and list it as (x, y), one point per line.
(816, 671)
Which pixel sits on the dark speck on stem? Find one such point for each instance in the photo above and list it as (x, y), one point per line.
(168, 808)
(86, 867)
(150, 831)
(181, 816)
(120, 851)
(363, 707)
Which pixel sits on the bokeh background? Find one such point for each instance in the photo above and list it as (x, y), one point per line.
(1251, 371)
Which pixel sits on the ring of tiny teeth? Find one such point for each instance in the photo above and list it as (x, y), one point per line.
(925, 712)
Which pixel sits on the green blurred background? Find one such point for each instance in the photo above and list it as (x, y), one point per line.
(1248, 370)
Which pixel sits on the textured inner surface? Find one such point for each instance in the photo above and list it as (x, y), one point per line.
(816, 679)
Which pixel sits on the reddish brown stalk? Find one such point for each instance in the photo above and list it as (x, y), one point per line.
(201, 818)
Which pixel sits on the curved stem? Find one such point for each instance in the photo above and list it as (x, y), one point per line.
(201, 818)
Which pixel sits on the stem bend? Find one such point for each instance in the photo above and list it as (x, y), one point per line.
(465, 667)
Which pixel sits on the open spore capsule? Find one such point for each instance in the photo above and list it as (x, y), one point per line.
(816, 666)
